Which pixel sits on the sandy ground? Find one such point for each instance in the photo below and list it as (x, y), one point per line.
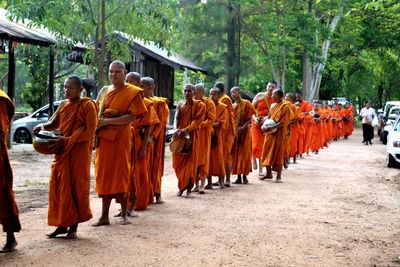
(338, 208)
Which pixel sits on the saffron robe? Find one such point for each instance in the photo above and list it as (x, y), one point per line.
(69, 187)
(141, 178)
(190, 116)
(157, 152)
(257, 136)
(217, 165)
(229, 137)
(274, 143)
(289, 132)
(295, 133)
(113, 154)
(205, 137)
(242, 147)
(305, 106)
(8, 207)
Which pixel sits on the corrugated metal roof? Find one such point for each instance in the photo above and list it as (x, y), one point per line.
(20, 32)
(170, 58)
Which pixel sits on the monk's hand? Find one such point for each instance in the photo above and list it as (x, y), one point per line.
(102, 122)
(217, 124)
(57, 145)
(183, 132)
(260, 121)
(37, 129)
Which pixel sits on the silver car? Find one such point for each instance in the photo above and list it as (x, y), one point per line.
(21, 129)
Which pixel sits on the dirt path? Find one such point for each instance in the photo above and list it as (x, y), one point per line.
(339, 208)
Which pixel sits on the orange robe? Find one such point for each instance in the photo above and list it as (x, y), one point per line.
(113, 153)
(316, 132)
(217, 165)
(257, 136)
(274, 143)
(309, 129)
(229, 137)
(305, 106)
(190, 116)
(205, 137)
(242, 147)
(302, 134)
(141, 179)
(347, 125)
(8, 207)
(295, 133)
(69, 188)
(289, 132)
(158, 151)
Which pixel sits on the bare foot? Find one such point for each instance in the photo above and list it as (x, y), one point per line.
(71, 235)
(101, 222)
(196, 189)
(59, 231)
(159, 199)
(209, 187)
(179, 194)
(9, 247)
(124, 221)
(265, 177)
(278, 180)
(227, 185)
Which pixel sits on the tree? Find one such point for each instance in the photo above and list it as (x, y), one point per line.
(91, 22)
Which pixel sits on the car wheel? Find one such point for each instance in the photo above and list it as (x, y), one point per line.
(384, 137)
(390, 161)
(23, 136)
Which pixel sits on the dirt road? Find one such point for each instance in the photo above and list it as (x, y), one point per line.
(338, 208)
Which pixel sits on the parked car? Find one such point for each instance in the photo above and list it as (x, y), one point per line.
(21, 129)
(384, 117)
(393, 144)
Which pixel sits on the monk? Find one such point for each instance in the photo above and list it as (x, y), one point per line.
(217, 166)
(158, 138)
(243, 111)
(69, 188)
(262, 103)
(294, 128)
(305, 108)
(119, 104)
(205, 137)
(294, 114)
(142, 128)
(229, 135)
(273, 155)
(347, 119)
(316, 129)
(133, 78)
(8, 208)
(188, 118)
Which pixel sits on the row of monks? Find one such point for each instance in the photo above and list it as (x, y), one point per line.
(127, 124)
(230, 137)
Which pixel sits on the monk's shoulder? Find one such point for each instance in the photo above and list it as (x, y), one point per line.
(222, 105)
(134, 90)
(87, 102)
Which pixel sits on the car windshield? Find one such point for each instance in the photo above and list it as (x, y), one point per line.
(396, 127)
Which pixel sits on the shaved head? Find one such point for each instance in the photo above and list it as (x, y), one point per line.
(118, 63)
(146, 80)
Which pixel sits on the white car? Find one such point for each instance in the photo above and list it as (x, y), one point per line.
(393, 144)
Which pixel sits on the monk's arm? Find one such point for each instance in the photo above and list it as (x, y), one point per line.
(143, 148)
(210, 116)
(198, 118)
(51, 125)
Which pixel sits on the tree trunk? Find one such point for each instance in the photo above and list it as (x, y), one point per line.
(318, 68)
(230, 57)
(103, 49)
